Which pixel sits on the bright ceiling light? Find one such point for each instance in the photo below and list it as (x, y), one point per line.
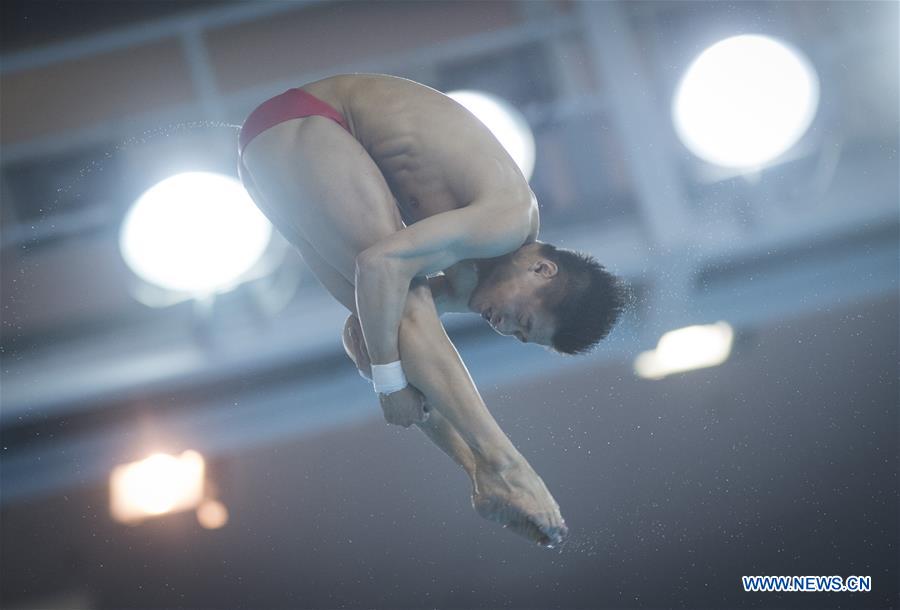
(157, 485)
(686, 349)
(195, 232)
(745, 101)
(505, 122)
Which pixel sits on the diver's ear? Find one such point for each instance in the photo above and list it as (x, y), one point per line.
(545, 268)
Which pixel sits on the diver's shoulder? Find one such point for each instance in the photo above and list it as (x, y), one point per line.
(520, 208)
(509, 209)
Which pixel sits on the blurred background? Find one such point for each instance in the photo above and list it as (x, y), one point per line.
(181, 428)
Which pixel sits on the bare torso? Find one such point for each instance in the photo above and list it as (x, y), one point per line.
(433, 156)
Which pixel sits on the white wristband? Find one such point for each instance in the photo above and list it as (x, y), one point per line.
(388, 378)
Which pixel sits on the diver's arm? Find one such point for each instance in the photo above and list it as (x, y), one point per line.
(384, 271)
(381, 288)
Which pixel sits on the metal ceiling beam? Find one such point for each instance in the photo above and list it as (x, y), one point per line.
(639, 121)
(149, 31)
(236, 103)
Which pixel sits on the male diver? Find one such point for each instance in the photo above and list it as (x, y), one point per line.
(382, 183)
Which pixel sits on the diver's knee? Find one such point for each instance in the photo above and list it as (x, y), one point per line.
(349, 336)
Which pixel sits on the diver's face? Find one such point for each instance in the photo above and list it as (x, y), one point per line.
(509, 297)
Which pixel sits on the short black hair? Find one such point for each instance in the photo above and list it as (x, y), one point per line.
(592, 300)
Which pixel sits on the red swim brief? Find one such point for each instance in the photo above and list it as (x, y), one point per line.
(292, 104)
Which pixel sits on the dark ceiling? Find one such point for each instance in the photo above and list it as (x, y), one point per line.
(31, 23)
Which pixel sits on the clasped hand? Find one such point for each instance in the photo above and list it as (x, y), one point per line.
(404, 407)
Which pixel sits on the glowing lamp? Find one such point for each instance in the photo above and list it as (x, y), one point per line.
(745, 101)
(157, 485)
(195, 232)
(686, 349)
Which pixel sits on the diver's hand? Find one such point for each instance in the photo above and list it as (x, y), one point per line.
(404, 407)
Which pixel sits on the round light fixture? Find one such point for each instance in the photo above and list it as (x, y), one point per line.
(195, 232)
(745, 100)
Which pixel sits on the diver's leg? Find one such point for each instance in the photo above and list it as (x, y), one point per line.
(316, 181)
(444, 435)
(509, 492)
(436, 427)
(327, 188)
(514, 494)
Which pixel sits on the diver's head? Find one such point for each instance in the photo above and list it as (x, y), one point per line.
(551, 296)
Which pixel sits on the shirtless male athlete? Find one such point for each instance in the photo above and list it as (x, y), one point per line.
(381, 183)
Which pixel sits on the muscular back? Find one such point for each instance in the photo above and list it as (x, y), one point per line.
(434, 154)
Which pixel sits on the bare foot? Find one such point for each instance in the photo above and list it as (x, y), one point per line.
(517, 498)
